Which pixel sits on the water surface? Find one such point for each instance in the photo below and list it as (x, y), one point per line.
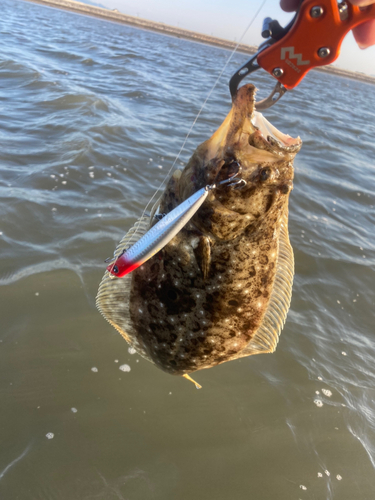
(92, 115)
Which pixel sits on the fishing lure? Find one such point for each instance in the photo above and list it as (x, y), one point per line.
(163, 231)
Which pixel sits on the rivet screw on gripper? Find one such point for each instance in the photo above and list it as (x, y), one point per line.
(324, 52)
(278, 72)
(316, 11)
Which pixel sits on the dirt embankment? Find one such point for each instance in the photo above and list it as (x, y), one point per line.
(114, 15)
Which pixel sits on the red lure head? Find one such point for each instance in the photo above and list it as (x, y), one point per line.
(122, 266)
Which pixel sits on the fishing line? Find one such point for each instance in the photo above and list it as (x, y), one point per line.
(198, 115)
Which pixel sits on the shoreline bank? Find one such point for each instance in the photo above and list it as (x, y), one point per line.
(118, 17)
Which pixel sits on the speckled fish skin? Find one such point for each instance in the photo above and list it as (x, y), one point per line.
(204, 299)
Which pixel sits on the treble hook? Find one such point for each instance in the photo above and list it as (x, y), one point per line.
(233, 180)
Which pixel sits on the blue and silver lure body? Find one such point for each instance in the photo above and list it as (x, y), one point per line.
(163, 231)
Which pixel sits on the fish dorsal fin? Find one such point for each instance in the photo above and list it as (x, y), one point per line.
(267, 335)
(113, 295)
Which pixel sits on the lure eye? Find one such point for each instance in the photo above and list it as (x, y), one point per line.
(265, 174)
(115, 269)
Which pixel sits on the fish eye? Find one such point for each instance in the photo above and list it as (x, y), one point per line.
(265, 174)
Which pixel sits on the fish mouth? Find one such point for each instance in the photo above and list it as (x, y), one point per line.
(247, 131)
(271, 133)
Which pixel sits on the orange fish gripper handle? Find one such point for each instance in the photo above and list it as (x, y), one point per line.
(314, 39)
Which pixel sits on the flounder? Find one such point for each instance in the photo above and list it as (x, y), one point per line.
(221, 288)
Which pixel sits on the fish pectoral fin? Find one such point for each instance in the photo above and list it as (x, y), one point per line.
(203, 255)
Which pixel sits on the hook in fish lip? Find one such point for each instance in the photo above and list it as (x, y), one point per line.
(228, 165)
(240, 183)
(234, 180)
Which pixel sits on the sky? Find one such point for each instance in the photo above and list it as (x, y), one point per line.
(228, 19)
